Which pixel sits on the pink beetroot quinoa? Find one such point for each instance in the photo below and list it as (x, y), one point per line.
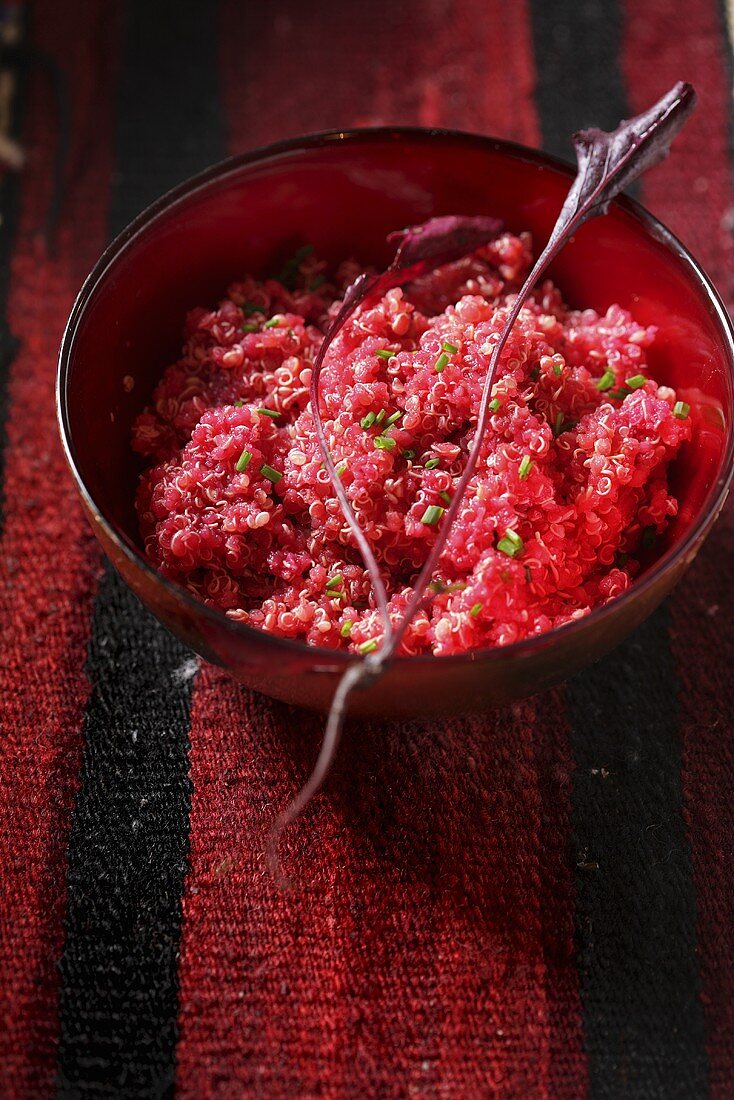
(237, 506)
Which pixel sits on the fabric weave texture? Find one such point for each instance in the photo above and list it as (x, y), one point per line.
(537, 902)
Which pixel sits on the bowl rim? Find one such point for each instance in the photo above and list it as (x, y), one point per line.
(343, 137)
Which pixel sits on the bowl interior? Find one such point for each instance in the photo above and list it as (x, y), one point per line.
(343, 195)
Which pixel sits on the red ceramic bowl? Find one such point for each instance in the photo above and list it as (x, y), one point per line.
(344, 192)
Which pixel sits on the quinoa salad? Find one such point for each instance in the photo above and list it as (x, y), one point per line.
(572, 482)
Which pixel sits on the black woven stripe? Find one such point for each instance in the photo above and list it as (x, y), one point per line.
(129, 842)
(636, 907)
(10, 208)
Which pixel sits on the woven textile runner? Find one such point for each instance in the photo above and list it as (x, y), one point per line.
(534, 902)
(49, 564)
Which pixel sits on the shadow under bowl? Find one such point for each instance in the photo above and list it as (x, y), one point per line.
(343, 192)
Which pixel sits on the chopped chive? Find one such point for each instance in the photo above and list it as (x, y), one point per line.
(432, 463)
(368, 420)
(557, 370)
(606, 381)
(335, 581)
(380, 416)
(392, 418)
(249, 328)
(439, 588)
(445, 497)
(432, 515)
(562, 425)
(408, 455)
(681, 410)
(270, 473)
(494, 405)
(526, 465)
(510, 544)
(243, 461)
(476, 609)
(441, 362)
(384, 443)
(346, 629)
(649, 536)
(298, 256)
(535, 374)
(290, 269)
(341, 469)
(272, 413)
(636, 381)
(239, 404)
(368, 647)
(450, 348)
(385, 353)
(316, 282)
(252, 307)
(528, 575)
(507, 547)
(273, 322)
(620, 394)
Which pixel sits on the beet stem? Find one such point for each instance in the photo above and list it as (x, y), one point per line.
(606, 163)
(358, 674)
(370, 561)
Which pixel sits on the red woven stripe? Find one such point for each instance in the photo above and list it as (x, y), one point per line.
(428, 944)
(46, 582)
(698, 178)
(344, 48)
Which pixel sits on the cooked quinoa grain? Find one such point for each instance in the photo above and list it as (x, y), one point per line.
(237, 504)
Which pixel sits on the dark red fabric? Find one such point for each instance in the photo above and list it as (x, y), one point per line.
(48, 560)
(427, 939)
(694, 195)
(428, 943)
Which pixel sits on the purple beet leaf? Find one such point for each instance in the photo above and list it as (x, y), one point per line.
(609, 162)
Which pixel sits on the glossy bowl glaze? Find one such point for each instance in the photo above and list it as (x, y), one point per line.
(344, 192)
